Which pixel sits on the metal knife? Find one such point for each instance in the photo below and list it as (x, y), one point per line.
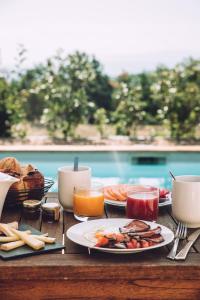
(191, 239)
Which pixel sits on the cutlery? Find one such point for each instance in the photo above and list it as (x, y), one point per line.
(180, 234)
(191, 239)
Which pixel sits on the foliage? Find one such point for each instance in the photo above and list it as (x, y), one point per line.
(86, 72)
(65, 111)
(130, 108)
(68, 90)
(179, 92)
(101, 120)
(12, 101)
(142, 82)
(5, 120)
(17, 99)
(35, 103)
(66, 105)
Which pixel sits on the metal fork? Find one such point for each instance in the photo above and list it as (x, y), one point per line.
(180, 234)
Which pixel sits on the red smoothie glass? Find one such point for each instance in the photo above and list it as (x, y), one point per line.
(142, 203)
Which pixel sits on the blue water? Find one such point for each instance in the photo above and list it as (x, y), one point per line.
(114, 167)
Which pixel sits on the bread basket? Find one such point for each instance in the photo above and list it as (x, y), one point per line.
(16, 197)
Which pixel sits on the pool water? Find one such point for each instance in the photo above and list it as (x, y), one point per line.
(150, 168)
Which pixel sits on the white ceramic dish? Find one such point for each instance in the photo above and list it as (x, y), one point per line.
(123, 203)
(166, 202)
(83, 234)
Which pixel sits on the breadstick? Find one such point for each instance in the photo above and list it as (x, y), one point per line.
(6, 239)
(13, 225)
(12, 245)
(29, 240)
(10, 241)
(45, 239)
(26, 231)
(44, 234)
(6, 229)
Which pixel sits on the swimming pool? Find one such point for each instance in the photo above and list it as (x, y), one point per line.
(112, 167)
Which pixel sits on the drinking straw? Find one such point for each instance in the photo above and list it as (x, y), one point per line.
(172, 175)
(76, 163)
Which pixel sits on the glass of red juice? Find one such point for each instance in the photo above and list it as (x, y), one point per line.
(142, 203)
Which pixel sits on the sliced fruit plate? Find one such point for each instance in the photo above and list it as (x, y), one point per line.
(120, 236)
(117, 194)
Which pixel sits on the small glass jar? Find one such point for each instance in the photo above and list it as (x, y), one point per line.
(50, 212)
(31, 209)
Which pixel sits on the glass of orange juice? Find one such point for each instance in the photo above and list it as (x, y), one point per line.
(88, 202)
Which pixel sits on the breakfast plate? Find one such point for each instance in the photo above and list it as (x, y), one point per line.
(163, 202)
(117, 194)
(84, 234)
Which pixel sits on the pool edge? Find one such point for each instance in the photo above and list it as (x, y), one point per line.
(99, 148)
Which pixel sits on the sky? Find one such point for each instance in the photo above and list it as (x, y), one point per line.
(125, 35)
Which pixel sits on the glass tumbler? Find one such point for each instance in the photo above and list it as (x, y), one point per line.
(88, 202)
(143, 203)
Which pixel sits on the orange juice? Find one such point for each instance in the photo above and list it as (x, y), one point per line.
(88, 203)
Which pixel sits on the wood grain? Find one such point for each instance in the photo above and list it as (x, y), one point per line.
(76, 275)
(102, 289)
(68, 219)
(83, 277)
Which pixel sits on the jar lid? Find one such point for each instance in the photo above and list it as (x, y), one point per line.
(31, 203)
(51, 206)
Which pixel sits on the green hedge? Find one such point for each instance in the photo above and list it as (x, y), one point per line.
(68, 90)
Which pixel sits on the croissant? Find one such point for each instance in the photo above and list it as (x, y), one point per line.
(30, 177)
(10, 165)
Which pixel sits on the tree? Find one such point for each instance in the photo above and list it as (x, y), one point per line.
(12, 100)
(65, 111)
(66, 107)
(29, 81)
(69, 85)
(5, 121)
(86, 72)
(101, 120)
(179, 91)
(130, 109)
(18, 96)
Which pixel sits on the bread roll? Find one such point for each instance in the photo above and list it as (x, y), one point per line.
(27, 169)
(32, 178)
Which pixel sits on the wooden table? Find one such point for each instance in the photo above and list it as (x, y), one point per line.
(74, 274)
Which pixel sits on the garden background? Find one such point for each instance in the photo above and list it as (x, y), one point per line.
(69, 90)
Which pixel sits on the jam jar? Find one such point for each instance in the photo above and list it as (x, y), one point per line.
(50, 212)
(31, 209)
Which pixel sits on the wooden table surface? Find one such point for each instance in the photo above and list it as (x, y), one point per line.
(74, 274)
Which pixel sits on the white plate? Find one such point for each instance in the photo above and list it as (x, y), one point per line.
(83, 234)
(166, 202)
(123, 203)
